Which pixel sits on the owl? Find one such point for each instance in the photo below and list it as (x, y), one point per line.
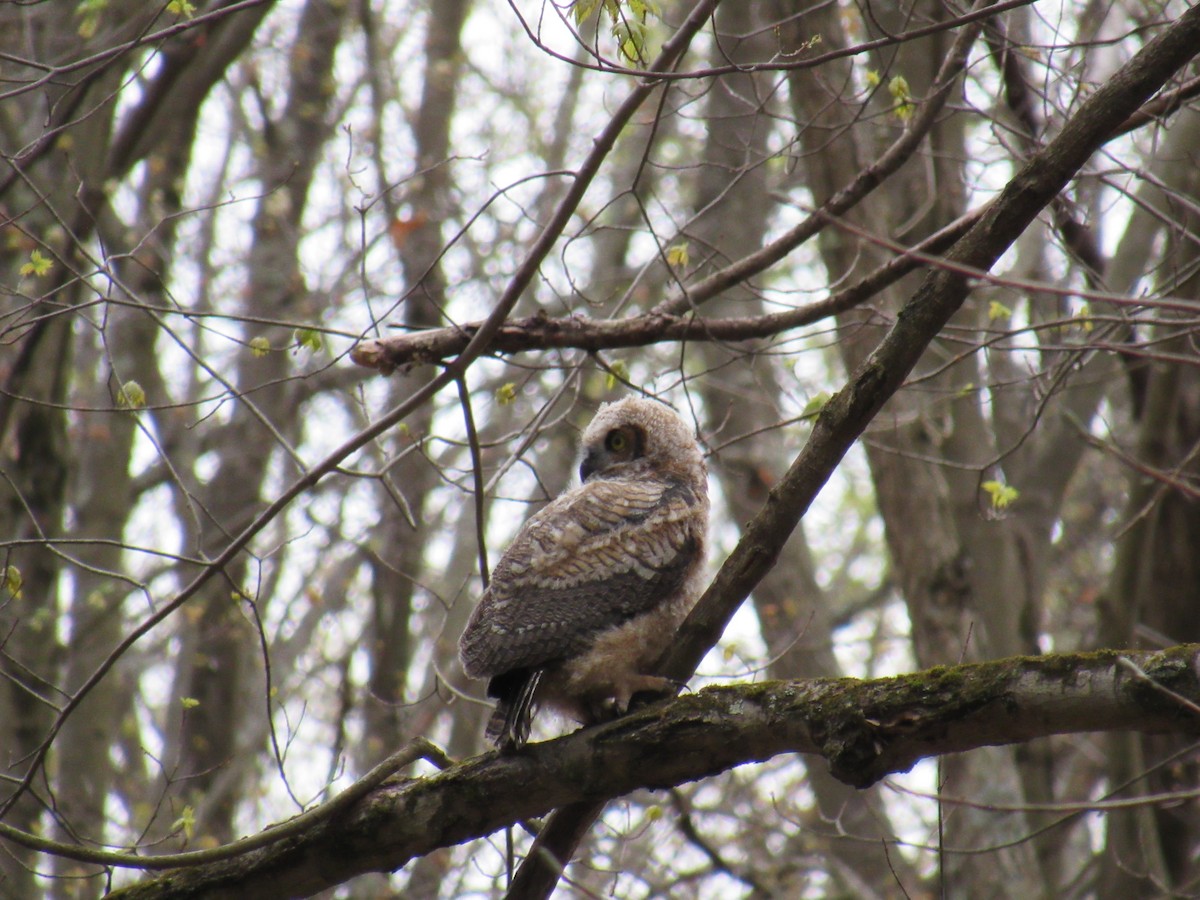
(595, 585)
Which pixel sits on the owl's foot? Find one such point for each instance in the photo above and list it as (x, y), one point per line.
(645, 696)
(636, 690)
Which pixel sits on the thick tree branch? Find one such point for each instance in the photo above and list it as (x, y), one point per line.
(866, 730)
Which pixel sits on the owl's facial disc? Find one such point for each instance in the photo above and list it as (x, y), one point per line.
(621, 444)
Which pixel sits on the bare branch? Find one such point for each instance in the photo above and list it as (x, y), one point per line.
(542, 332)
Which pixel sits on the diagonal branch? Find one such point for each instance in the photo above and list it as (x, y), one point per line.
(941, 294)
(849, 412)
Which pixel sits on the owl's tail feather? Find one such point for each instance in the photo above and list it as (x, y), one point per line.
(508, 728)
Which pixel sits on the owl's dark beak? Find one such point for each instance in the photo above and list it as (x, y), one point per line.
(591, 462)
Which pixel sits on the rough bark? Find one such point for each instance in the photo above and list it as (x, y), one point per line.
(865, 730)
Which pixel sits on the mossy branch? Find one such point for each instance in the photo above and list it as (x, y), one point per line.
(865, 730)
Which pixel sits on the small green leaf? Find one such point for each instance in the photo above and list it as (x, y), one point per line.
(816, 403)
(873, 78)
(966, 390)
(677, 256)
(617, 372)
(581, 9)
(1002, 494)
(627, 22)
(37, 266)
(308, 338)
(89, 12)
(898, 88)
(13, 581)
(1084, 317)
(189, 702)
(630, 38)
(653, 813)
(181, 8)
(260, 347)
(131, 396)
(506, 394)
(997, 310)
(186, 822)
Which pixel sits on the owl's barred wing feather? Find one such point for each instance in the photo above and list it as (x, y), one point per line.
(596, 557)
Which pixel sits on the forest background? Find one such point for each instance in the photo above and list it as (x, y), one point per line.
(304, 303)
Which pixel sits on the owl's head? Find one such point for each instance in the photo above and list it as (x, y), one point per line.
(636, 433)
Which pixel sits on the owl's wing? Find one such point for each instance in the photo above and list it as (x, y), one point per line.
(594, 558)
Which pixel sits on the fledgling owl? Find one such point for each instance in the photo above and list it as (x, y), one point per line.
(596, 584)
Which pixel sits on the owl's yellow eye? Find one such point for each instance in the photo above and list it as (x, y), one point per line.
(616, 441)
